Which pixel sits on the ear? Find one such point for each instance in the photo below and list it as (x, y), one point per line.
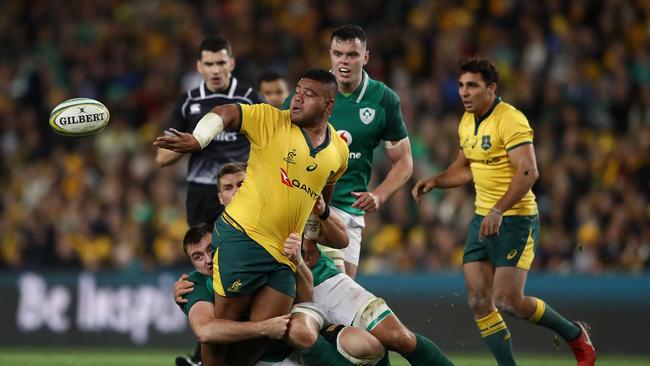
(493, 88)
(232, 63)
(220, 200)
(366, 57)
(198, 66)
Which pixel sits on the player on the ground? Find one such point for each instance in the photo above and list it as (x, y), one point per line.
(215, 62)
(352, 343)
(295, 155)
(496, 152)
(272, 86)
(366, 112)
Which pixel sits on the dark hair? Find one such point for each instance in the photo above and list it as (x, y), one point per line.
(349, 32)
(322, 76)
(230, 168)
(195, 234)
(269, 75)
(214, 44)
(481, 66)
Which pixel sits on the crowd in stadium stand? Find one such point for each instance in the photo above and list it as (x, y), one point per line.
(579, 70)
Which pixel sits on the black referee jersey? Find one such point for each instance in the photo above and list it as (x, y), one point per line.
(202, 200)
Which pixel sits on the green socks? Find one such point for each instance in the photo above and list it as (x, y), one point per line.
(545, 316)
(324, 353)
(426, 353)
(497, 337)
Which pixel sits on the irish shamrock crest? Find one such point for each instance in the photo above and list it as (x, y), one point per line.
(366, 115)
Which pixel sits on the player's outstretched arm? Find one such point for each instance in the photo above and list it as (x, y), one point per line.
(399, 153)
(209, 329)
(457, 174)
(224, 117)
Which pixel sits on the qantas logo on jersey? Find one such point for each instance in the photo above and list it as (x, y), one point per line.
(284, 178)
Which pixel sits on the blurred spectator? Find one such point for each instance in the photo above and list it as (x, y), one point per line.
(579, 70)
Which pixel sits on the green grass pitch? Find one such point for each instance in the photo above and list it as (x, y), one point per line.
(156, 357)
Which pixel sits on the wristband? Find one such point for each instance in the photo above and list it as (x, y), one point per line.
(208, 127)
(496, 210)
(325, 214)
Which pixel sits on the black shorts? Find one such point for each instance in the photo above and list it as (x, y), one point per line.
(202, 204)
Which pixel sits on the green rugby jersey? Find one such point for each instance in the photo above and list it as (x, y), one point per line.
(324, 269)
(202, 291)
(363, 119)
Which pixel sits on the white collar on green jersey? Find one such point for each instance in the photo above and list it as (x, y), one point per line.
(364, 76)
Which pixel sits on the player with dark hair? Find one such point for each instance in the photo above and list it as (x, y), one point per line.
(215, 62)
(295, 155)
(272, 86)
(366, 112)
(496, 152)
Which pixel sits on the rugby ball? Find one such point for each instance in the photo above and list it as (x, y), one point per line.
(79, 117)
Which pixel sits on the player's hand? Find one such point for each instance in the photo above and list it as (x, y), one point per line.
(319, 206)
(180, 142)
(292, 248)
(423, 186)
(366, 201)
(311, 252)
(490, 224)
(276, 327)
(181, 288)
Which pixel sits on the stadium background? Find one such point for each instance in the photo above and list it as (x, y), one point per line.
(79, 214)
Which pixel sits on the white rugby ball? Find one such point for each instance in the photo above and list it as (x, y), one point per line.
(79, 117)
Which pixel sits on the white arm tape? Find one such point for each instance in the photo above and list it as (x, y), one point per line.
(389, 145)
(208, 127)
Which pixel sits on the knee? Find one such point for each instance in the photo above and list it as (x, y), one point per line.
(301, 334)
(480, 303)
(360, 344)
(508, 303)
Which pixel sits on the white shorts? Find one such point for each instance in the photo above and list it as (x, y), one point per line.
(340, 300)
(354, 227)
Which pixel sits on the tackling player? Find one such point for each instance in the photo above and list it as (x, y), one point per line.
(197, 303)
(496, 152)
(295, 155)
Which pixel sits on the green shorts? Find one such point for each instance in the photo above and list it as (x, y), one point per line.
(514, 246)
(242, 266)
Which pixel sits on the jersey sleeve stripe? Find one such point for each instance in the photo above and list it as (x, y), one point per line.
(187, 100)
(518, 145)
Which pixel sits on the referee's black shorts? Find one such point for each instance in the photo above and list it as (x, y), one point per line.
(202, 204)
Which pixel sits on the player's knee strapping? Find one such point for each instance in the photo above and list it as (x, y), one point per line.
(371, 313)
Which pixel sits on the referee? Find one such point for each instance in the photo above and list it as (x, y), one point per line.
(215, 63)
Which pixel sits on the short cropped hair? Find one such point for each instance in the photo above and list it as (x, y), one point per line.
(322, 76)
(269, 75)
(195, 234)
(230, 168)
(349, 32)
(214, 44)
(481, 66)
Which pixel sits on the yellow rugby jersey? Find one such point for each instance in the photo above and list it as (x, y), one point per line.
(284, 177)
(485, 144)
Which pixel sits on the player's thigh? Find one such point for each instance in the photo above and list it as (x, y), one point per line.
(232, 308)
(342, 299)
(516, 243)
(479, 279)
(509, 283)
(269, 302)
